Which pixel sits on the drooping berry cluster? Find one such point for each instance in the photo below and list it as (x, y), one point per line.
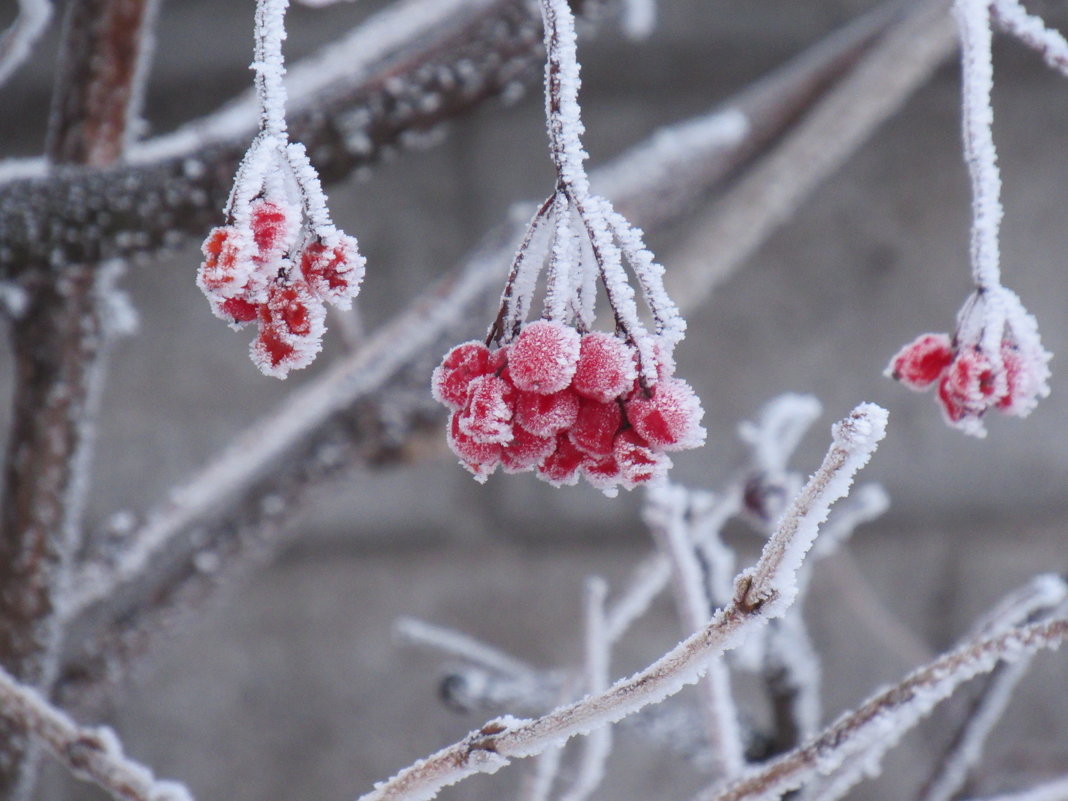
(974, 372)
(279, 258)
(265, 269)
(565, 405)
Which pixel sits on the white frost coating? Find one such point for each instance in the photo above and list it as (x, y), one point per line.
(1042, 593)
(977, 75)
(92, 754)
(19, 39)
(639, 18)
(561, 98)
(418, 632)
(1032, 31)
(648, 580)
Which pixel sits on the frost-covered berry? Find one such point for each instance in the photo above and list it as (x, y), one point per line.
(291, 329)
(525, 451)
(225, 269)
(487, 417)
(333, 270)
(921, 362)
(272, 227)
(637, 461)
(603, 473)
(452, 378)
(670, 418)
(596, 426)
(546, 415)
(1026, 377)
(480, 458)
(969, 386)
(543, 357)
(562, 466)
(239, 310)
(606, 367)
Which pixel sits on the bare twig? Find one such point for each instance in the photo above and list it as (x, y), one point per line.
(93, 755)
(762, 592)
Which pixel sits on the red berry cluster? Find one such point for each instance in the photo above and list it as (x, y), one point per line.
(264, 272)
(564, 405)
(970, 382)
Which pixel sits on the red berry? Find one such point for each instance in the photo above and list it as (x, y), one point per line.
(222, 271)
(481, 458)
(525, 451)
(562, 466)
(270, 228)
(595, 427)
(270, 346)
(461, 365)
(546, 415)
(920, 363)
(606, 367)
(239, 309)
(544, 356)
(670, 419)
(602, 472)
(333, 271)
(488, 414)
(291, 305)
(638, 463)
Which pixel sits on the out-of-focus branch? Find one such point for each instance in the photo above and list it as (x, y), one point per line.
(237, 502)
(57, 343)
(94, 755)
(18, 40)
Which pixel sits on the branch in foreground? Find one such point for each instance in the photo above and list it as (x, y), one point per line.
(239, 501)
(93, 755)
(760, 593)
(888, 715)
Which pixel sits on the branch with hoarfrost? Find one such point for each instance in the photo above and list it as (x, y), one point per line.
(91, 754)
(17, 41)
(1044, 596)
(238, 502)
(761, 592)
(1013, 18)
(854, 745)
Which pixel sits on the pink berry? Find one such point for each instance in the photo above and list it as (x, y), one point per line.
(595, 427)
(606, 367)
(921, 362)
(526, 451)
(638, 463)
(461, 365)
(546, 415)
(480, 458)
(488, 414)
(544, 356)
(562, 466)
(670, 419)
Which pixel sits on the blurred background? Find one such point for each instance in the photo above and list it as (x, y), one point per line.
(292, 687)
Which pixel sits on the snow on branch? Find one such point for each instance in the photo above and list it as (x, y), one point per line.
(17, 41)
(92, 754)
(880, 722)
(760, 593)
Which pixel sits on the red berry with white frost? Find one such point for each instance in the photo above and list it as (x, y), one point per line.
(595, 428)
(563, 466)
(606, 367)
(638, 462)
(451, 379)
(546, 415)
(921, 362)
(670, 417)
(526, 451)
(544, 356)
(334, 271)
(480, 458)
(602, 472)
(487, 417)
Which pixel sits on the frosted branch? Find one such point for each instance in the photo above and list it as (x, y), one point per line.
(457, 644)
(1012, 17)
(879, 723)
(93, 755)
(761, 593)
(17, 42)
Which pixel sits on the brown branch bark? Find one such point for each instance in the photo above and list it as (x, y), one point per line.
(246, 517)
(56, 345)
